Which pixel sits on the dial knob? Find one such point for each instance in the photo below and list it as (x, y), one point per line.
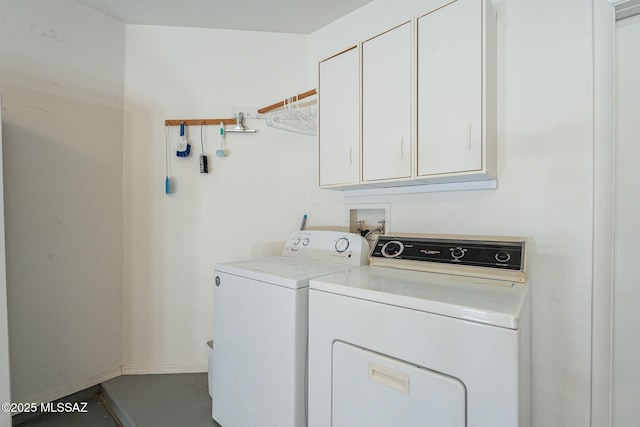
(392, 249)
(457, 253)
(296, 241)
(342, 244)
(503, 256)
(305, 241)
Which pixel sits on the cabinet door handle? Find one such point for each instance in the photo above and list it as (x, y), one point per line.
(469, 136)
(349, 160)
(401, 148)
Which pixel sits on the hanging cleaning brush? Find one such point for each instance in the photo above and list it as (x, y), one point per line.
(167, 188)
(204, 168)
(220, 151)
(184, 148)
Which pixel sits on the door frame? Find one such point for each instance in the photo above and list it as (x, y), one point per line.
(605, 14)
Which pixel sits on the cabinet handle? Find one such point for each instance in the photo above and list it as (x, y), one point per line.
(401, 148)
(469, 136)
(349, 161)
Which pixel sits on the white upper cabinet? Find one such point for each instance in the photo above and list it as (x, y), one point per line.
(456, 106)
(339, 119)
(413, 105)
(386, 105)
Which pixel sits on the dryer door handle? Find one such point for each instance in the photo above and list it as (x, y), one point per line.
(390, 377)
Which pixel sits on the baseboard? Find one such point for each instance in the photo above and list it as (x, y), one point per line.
(181, 368)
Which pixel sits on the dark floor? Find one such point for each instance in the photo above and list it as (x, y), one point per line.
(94, 413)
(135, 401)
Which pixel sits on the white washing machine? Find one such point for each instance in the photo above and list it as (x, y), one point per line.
(435, 332)
(259, 367)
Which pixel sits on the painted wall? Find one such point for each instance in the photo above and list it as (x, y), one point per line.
(61, 77)
(5, 373)
(244, 208)
(545, 178)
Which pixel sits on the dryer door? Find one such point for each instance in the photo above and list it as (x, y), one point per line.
(370, 389)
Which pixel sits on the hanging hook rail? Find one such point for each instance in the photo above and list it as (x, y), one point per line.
(198, 122)
(283, 103)
(237, 120)
(234, 121)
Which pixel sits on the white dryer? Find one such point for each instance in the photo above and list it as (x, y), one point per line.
(435, 332)
(259, 364)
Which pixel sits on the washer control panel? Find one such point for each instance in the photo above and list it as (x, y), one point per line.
(328, 246)
(508, 254)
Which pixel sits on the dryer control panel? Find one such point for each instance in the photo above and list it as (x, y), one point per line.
(467, 255)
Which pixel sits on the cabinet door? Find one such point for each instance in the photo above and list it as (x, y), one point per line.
(450, 89)
(386, 105)
(339, 119)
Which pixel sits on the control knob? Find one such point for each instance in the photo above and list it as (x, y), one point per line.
(392, 249)
(342, 244)
(503, 256)
(457, 253)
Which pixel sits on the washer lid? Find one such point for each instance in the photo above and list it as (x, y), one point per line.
(281, 270)
(493, 302)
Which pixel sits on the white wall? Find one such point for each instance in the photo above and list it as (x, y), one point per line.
(545, 178)
(61, 78)
(5, 375)
(244, 208)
